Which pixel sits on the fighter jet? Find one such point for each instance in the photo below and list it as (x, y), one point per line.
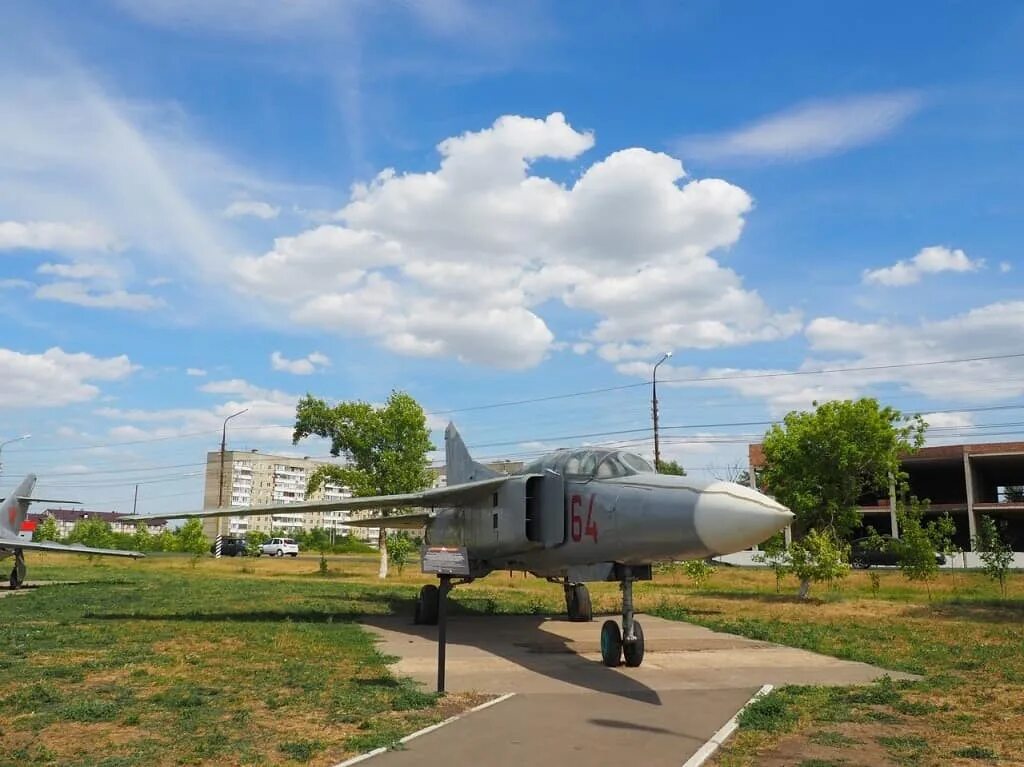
(12, 513)
(572, 517)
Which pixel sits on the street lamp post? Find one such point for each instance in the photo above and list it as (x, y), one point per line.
(220, 495)
(7, 442)
(654, 409)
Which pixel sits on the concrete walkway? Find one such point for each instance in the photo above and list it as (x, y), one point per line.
(569, 706)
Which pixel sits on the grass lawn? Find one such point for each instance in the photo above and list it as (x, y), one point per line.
(243, 661)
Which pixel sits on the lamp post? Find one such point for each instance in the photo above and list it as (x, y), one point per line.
(654, 409)
(220, 496)
(7, 442)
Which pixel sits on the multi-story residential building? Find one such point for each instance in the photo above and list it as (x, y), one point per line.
(251, 478)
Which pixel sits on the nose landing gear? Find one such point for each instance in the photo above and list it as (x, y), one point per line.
(628, 644)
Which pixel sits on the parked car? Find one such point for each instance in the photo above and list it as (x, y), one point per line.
(231, 547)
(278, 547)
(862, 556)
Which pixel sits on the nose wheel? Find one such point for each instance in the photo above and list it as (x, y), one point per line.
(628, 644)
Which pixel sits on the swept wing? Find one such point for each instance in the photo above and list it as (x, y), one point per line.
(17, 543)
(455, 495)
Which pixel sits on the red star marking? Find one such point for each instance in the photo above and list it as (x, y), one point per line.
(11, 515)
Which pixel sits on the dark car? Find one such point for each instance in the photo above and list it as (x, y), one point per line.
(231, 547)
(863, 555)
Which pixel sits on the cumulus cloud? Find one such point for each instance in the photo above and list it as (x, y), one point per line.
(79, 271)
(53, 235)
(457, 262)
(930, 260)
(1005, 266)
(303, 366)
(813, 129)
(268, 415)
(55, 377)
(198, 372)
(81, 295)
(253, 208)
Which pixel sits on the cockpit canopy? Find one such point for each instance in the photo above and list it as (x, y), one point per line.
(591, 463)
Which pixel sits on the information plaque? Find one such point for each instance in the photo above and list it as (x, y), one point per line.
(445, 560)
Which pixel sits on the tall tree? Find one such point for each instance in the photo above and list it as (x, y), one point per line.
(191, 539)
(385, 447)
(819, 463)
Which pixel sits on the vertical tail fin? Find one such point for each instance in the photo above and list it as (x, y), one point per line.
(15, 508)
(460, 466)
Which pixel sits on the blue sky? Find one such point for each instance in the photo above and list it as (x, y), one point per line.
(213, 205)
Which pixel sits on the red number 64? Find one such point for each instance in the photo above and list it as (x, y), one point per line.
(577, 527)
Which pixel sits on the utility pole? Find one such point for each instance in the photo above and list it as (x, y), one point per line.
(135, 503)
(7, 442)
(654, 409)
(220, 495)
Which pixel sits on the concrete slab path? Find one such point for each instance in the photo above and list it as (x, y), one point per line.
(568, 705)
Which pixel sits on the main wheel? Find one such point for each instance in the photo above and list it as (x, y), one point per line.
(633, 652)
(580, 609)
(426, 606)
(15, 583)
(611, 644)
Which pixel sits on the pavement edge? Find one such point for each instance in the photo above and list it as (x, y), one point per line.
(722, 734)
(431, 728)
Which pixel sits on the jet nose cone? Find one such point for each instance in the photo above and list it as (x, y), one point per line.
(731, 517)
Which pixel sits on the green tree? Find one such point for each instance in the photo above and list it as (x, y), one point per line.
(915, 549)
(385, 447)
(699, 571)
(191, 539)
(773, 553)
(142, 539)
(93, 532)
(818, 557)
(165, 541)
(47, 530)
(1014, 494)
(671, 467)
(820, 463)
(400, 550)
(995, 553)
(254, 540)
(942, 533)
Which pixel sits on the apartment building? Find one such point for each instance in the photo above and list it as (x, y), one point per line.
(251, 478)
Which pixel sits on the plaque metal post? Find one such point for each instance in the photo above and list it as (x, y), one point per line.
(442, 628)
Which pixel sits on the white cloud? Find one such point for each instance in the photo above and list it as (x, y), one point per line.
(957, 420)
(53, 235)
(303, 366)
(198, 372)
(252, 208)
(1005, 266)
(79, 271)
(55, 377)
(80, 295)
(455, 262)
(812, 129)
(268, 417)
(930, 260)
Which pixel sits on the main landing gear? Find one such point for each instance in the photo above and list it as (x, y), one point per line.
(628, 644)
(577, 602)
(18, 571)
(428, 602)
